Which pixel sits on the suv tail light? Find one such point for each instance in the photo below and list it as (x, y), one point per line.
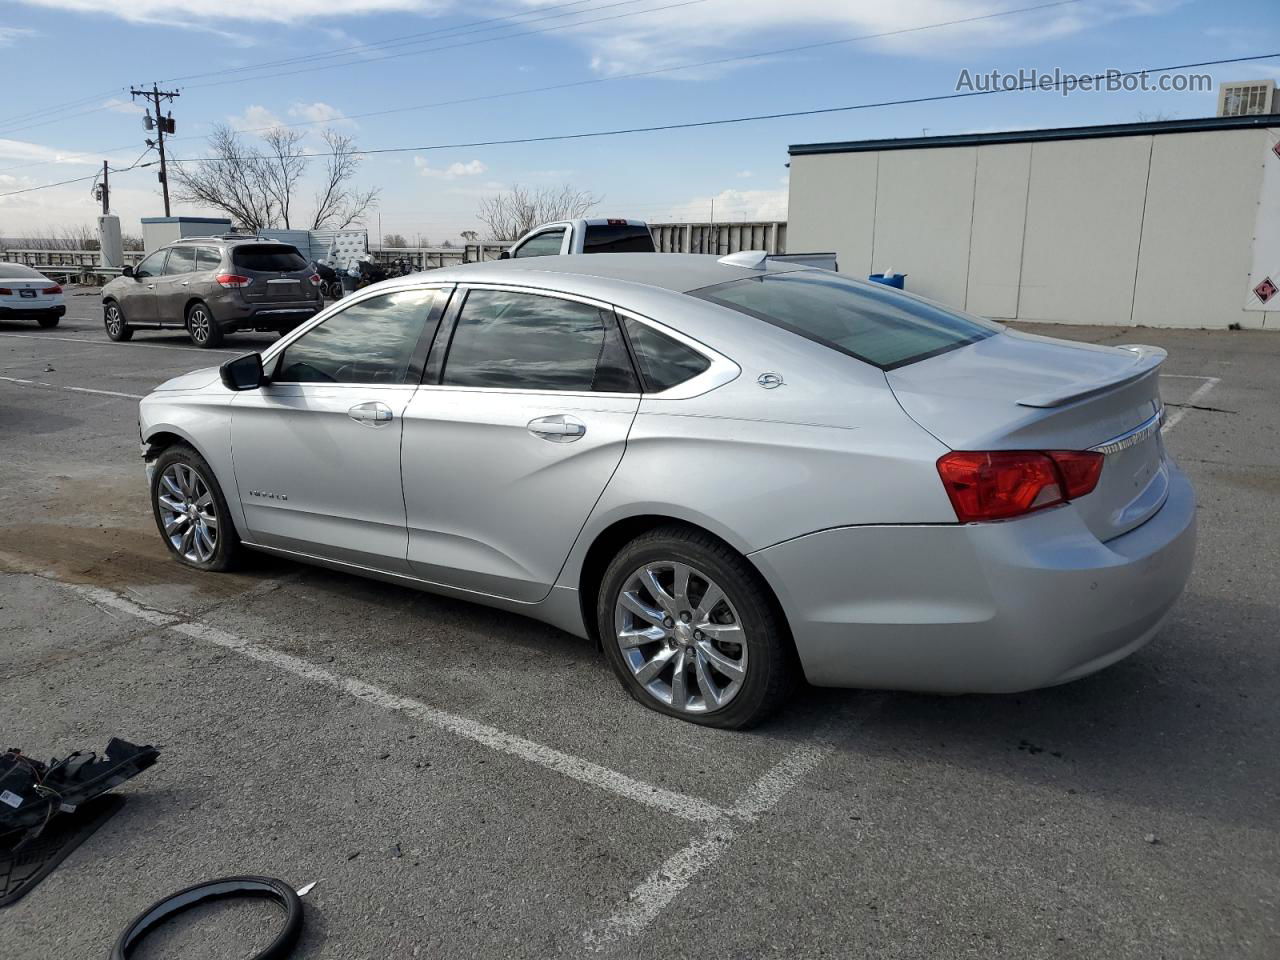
(315, 279)
(1000, 484)
(54, 289)
(233, 281)
(5, 292)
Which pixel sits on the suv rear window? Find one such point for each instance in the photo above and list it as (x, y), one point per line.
(873, 324)
(617, 238)
(275, 258)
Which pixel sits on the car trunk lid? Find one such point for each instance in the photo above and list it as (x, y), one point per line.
(25, 292)
(277, 271)
(1016, 391)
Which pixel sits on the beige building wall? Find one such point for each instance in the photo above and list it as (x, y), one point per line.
(1152, 229)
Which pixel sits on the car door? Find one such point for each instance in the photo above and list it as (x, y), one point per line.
(173, 287)
(518, 426)
(139, 298)
(316, 451)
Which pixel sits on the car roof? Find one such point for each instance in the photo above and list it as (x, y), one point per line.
(230, 241)
(678, 272)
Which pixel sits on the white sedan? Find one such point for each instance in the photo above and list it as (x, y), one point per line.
(27, 294)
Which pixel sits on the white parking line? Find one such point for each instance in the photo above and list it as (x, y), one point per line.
(1197, 395)
(113, 343)
(59, 386)
(685, 807)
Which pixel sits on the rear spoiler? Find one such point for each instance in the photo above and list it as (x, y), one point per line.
(760, 259)
(1145, 360)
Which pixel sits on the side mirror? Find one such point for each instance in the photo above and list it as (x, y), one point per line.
(126, 271)
(242, 373)
(505, 255)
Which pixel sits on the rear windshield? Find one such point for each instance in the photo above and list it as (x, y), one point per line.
(16, 271)
(276, 258)
(617, 238)
(865, 321)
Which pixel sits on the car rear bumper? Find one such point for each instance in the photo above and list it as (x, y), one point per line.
(268, 315)
(35, 310)
(980, 608)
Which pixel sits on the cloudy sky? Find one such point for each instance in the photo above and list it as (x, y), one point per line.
(422, 73)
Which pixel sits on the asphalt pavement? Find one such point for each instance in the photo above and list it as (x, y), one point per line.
(461, 782)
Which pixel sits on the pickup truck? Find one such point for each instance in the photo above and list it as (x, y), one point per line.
(584, 236)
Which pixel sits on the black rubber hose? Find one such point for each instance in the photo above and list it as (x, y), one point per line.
(275, 890)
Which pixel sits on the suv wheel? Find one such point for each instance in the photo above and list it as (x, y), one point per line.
(118, 328)
(692, 630)
(201, 327)
(191, 512)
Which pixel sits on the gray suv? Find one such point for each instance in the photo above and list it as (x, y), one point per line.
(211, 286)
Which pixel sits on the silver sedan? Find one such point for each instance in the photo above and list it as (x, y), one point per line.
(727, 473)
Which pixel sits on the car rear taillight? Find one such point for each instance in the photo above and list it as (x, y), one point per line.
(315, 279)
(6, 292)
(233, 281)
(1000, 484)
(54, 289)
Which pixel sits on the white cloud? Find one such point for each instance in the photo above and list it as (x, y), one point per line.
(472, 168)
(123, 106)
(182, 13)
(9, 34)
(255, 117)
(319, 112)
(745, 174)
(730, 205)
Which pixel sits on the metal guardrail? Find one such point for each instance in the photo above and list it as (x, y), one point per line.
(63, 258)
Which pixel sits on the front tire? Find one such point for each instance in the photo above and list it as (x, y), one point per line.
(191, 512)
(692, 630)
(49, 322)
(118, 328)
(201, 327)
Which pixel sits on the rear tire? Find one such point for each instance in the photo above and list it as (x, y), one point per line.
(201, 327)
(118, 328)
(191, 512)
(48, 323)
(743, 651)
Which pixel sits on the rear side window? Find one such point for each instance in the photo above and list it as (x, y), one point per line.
(208, 258)
(275, 258)
(863, 320)
(181, 260)
(522, 341)
(663, 362)
(545, 244)
(617, 238)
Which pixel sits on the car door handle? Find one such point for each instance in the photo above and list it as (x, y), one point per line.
(186, 283)
(371, 414)
(558, 428)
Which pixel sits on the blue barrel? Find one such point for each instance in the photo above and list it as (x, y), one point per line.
(898, 280)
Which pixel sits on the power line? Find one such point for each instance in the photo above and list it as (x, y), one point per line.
(454, 46)
(724, 121)
(718, 61)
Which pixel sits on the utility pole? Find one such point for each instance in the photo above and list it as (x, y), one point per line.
(106, 202)
(162, 126)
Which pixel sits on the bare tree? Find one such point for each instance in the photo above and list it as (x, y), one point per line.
(512, 214)
(257, 187)
(338, 204)
(470, 235)
(283, 166)
(394, 240)
(232, 180)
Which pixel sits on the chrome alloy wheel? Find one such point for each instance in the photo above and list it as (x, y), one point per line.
(115, 320)
(188, 513)
(199, 324)
(681, 637)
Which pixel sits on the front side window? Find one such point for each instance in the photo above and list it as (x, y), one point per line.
(208, 258)
(371, 341)
(522, 341)
(151, 266)
(545, 244)
(664, 362)
(181, 260)
(866, 321)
